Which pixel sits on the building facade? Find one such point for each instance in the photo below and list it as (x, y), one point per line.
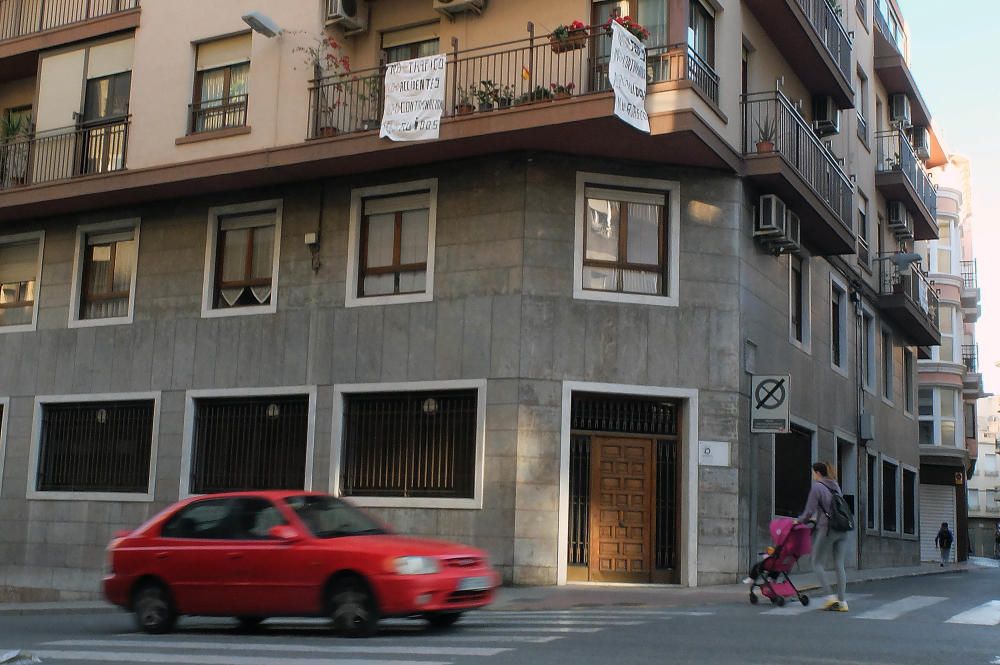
(523, 335)
(984, 483)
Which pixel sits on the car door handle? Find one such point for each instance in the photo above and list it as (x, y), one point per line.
(234, 555)
(161, 555)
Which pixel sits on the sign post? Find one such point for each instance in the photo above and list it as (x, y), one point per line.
(414, 99)
(769, 397)
(627, 72)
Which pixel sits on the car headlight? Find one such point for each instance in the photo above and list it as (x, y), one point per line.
(416, 565)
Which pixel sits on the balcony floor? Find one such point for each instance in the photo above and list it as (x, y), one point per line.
(918, 328)
(896, 187)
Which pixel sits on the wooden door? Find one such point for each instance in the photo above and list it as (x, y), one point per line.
(621, 510)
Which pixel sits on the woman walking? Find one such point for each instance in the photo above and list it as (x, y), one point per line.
(828, 544)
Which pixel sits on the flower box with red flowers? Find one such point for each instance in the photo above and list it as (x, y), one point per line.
(639, 32)
(568, 37)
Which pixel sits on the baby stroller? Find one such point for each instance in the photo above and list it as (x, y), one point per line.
(790, 542)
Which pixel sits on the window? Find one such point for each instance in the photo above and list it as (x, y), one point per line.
(890, 490)
(415, 42)
(838, 325)
(944, 245)
(104, 281)
(20, 270)
(908, 380)
(326, 517)
(701, 32)
(926, 414)
(909, 502)
(107, 98)
(420, 444)
(948, 398)
(626, 246)
(244, 518)
(204, 519)
(872, 492)
(249, 443)
(970, 420)
(392, 244)
(989, 464)
(973, 499)
(244, 243)
(888, 364)
(864, 239)
(798, 300)
(938, 416)
(793, 459)
(862, 106)
(94, 447)
(868, 351)
(104, 138)
(946, 322)
(221, 84)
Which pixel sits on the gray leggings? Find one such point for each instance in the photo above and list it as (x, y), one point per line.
(827, 543)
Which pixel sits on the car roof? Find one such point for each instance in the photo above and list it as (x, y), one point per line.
(265, 494)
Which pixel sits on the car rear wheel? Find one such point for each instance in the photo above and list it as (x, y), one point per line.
(154, 609)
(443, 619)
(250, 623)
(352, 609)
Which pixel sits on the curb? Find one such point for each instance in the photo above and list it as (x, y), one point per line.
(29, 609)
(899, 576)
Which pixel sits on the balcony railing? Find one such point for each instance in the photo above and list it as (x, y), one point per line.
(970, 357)
(513, 73)
(890, 26)
(914, 284)
(795, 141)
(24, 17)
(827, 24)
(970, 275)
(895, 154)
(64, 153)
(216, 114)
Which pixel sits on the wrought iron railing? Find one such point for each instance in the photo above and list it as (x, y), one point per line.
(499, 76)
(24, 17)
(914, 284)
(64, 153)
(970, 357)
(831, 30)
(970, 275)
(771, 124)
(895, 154)
(216, 114)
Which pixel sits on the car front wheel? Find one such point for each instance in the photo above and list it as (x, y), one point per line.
(352, 609)
(443, 619)
(154, 609)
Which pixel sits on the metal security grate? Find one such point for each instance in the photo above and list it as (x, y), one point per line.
(623, 415)
(253, 443)
(420, 444)
(95, 447)
(579, 500)
(666, 505)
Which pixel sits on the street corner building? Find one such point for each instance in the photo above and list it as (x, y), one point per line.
(536, 329)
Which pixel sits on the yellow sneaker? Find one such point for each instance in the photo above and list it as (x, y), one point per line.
(829, 603)
(839, 606)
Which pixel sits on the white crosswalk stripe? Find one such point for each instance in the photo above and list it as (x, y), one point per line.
(403, 649)
(206, 659)
(898, 608)
(794, 607)
(987, 614)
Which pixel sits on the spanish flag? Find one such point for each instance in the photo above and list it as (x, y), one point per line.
(525, 72)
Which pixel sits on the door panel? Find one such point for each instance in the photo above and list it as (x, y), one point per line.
(622, 482)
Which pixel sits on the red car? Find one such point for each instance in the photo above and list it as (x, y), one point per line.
(254, 555)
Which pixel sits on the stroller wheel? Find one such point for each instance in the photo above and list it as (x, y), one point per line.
(780, 601)
(804, 599)
(753, 598)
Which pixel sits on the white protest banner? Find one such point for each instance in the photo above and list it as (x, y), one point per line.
(414, 99)
(627, 71)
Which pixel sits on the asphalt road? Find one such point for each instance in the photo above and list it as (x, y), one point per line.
(937, 620)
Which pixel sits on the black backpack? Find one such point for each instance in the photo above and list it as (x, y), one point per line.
(840, 516)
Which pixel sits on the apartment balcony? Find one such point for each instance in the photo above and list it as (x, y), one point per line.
(814, 42)
(63, 154)
(795, 165)
(900, 176)
(28, 26)
(973, 382)
(971, 295)
(908, 298)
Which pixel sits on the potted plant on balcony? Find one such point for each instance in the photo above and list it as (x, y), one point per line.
(637, 30)
(562, 90)
(765, 134)
(14, 147)
(370, 102)
(487, 94)
(325, 55)
(463, 105)
(505, 96)
(568, 37)
(539, 94)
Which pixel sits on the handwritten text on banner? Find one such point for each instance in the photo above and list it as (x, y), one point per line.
(414, 99)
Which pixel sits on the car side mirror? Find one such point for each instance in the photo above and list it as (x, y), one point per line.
(284, 533)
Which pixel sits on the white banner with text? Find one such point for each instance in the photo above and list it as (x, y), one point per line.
(414, 99)
(627, 72)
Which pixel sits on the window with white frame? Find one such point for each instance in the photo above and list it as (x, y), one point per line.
(868, 350)
(104, 280)
(392, 244)
(626, 240)
(241, 262)
(938, 416)
(989, 464)
(926, 416)
(973, 499)
(909, 381)
(20, 272)
(888, 364)
(838, 325)
(910, 501)
(950, 350)
(890, 495)
(798, 300)
(792, 479)
(871, 491)
(945, 250)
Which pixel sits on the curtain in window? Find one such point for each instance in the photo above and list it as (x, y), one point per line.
(701, 33)
(108, 278)
(653, 16)
(18, 270)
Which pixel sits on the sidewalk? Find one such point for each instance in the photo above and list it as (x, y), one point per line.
(572, 595)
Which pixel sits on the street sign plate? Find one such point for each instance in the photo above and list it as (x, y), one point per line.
(769, 397)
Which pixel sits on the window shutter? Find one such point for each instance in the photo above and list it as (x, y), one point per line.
(415, 201)
(249, 221)
(19, 263)
(223, 52)
(412, 35)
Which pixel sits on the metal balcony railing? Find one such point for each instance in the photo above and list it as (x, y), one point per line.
(915, 285)
(895, 154)
(216, 114)
(24, 17)
(970, 357)
(890, 26)
(970, 275)
(498, 76)
(64, 153)
(828, 26)
(793, 139)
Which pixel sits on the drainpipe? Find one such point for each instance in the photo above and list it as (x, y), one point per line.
(857, 300)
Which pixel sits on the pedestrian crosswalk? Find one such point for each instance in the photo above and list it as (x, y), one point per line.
(871, 608)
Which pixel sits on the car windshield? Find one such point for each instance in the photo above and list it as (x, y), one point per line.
(327, 517)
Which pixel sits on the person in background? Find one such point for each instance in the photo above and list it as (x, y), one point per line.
(828, 544)
(943, 541)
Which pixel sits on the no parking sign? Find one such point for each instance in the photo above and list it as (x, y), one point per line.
(769, 396)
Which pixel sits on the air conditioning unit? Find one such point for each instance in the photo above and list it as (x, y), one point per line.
(351, 15)
(897, 214)
(826, 116)
(791, 240)
(770, 217)
(921, 140)
(899, 109)
(451, 7)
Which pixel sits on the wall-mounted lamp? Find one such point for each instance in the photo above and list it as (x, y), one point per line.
(262, 24)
